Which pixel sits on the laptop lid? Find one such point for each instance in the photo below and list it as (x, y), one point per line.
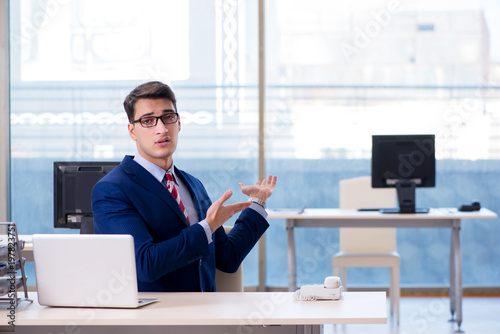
(86, 270)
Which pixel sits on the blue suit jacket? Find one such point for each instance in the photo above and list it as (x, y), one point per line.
(170, 255)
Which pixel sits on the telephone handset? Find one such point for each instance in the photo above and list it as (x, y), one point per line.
(331, 289)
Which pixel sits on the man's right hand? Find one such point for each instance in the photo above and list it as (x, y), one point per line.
(218, 213)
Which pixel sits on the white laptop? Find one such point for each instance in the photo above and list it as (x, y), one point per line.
(86, 270)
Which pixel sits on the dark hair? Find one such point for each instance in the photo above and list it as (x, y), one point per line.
(148, 90)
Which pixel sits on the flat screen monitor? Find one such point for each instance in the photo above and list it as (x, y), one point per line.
(73, 183)
(404, 162)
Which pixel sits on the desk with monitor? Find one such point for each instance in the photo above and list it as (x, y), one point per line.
(436, 218)
(219, 312)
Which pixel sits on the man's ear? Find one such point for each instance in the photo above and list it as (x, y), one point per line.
(131, 131)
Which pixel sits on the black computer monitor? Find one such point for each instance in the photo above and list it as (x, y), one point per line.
(73, 183)
(404, 162)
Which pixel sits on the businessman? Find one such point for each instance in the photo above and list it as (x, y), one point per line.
(178, 234)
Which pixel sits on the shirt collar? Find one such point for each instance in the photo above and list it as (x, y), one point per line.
(155, 170)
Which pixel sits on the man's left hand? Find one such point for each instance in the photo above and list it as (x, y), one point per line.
(261, 190)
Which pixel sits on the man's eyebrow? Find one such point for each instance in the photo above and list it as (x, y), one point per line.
(147, 114)
(166, 111)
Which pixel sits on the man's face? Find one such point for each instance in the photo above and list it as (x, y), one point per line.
(158, 143)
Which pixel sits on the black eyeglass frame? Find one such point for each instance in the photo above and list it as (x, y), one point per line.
(140, 120)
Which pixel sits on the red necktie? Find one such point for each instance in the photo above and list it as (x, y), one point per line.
(173, 190)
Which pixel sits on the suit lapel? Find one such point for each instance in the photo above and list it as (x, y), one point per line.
(144, 179)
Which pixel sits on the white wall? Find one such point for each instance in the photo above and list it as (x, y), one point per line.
(4, 113)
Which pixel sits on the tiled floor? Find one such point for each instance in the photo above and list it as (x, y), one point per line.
(481, 315)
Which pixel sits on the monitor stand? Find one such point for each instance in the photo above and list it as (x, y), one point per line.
(406, 199)
(87, 225)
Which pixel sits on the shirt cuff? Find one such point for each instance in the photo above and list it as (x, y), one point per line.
(259, 209)
(208, 230)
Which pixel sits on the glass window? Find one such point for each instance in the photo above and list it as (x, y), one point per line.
(73, 63)
(338, 73)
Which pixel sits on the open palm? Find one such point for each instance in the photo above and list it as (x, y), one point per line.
(262, 190)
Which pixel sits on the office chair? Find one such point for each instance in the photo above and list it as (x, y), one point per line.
(225, 282)
(368, 247)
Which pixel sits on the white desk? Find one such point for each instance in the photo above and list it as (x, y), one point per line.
(221, 312)
(436, 218)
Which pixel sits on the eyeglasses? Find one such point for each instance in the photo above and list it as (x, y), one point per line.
(151, 121)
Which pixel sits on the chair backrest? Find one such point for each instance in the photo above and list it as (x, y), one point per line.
(225, 282)
(357, 193)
